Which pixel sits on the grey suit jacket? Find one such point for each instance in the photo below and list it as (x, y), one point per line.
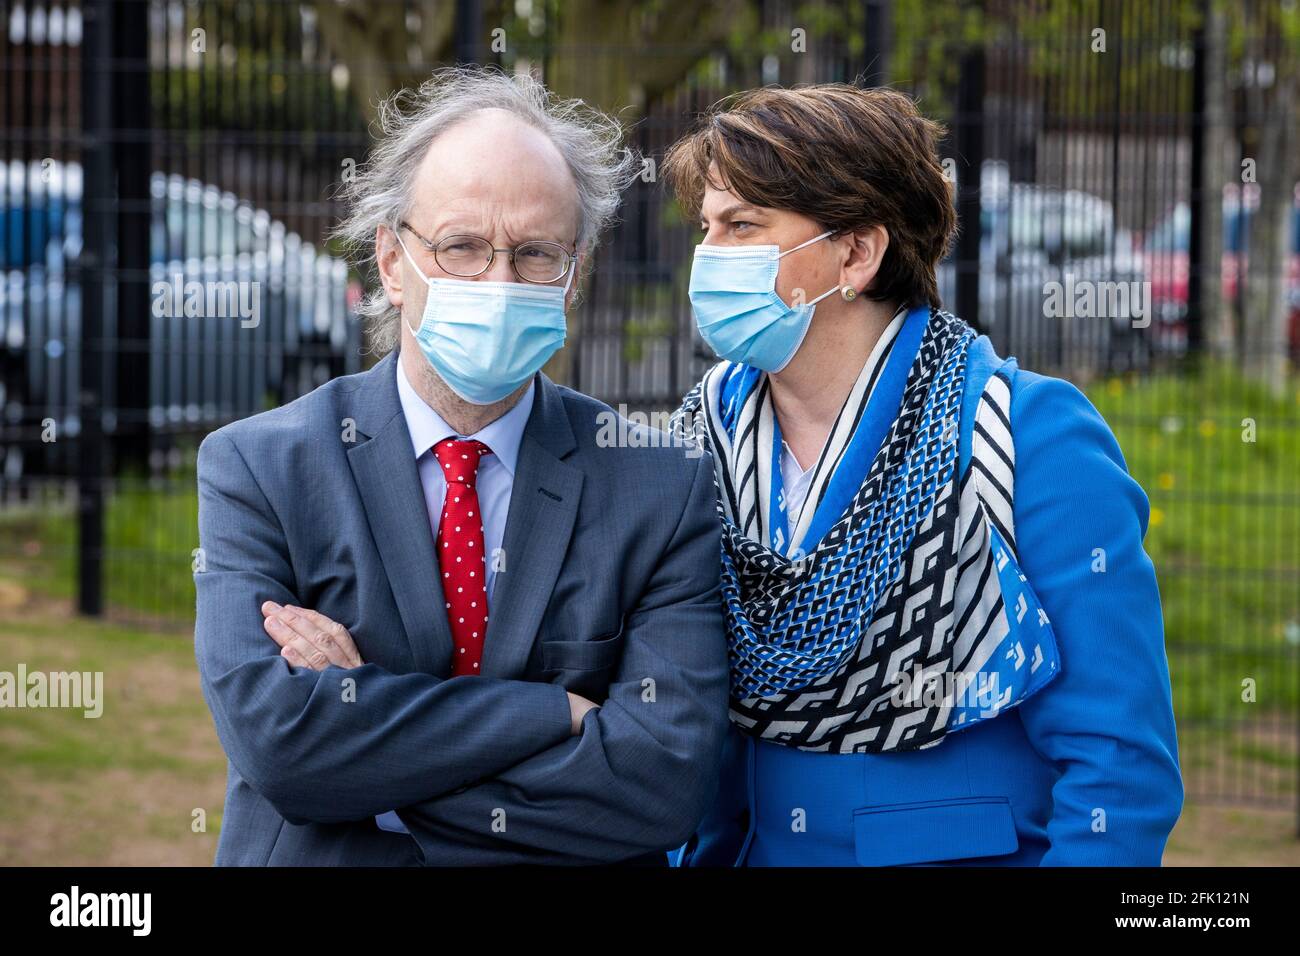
(609, 589)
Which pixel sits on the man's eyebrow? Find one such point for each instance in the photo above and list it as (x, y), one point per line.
(731, 210)
(456, 226)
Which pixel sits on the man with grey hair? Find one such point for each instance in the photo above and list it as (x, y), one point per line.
(439, 620)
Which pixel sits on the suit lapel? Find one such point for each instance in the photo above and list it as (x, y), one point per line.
(543, 508)
(388, 479)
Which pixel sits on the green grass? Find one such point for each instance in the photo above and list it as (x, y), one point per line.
(65, 740)
(151, 530)
(1224, 531)
(120, 788)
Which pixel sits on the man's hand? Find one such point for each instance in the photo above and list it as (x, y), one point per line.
(308, 638)
(578, 707)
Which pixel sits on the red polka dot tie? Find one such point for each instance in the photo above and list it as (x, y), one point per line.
(461, 554)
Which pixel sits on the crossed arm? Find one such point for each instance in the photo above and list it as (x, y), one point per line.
(487, 771)
(320, 748)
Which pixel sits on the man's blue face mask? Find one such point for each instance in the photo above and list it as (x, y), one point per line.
(486, 339)
(741, 317)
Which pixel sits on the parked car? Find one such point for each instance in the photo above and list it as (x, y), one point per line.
(1166, 255)
(1032, 237)
(201, 371)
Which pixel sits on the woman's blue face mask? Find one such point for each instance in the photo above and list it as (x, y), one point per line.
(741, 317)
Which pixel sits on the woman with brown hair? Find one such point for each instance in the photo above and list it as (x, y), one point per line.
(927, 665)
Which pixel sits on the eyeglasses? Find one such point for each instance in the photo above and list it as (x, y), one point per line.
(467, 256)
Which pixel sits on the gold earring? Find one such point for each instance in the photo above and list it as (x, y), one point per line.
(849, 293)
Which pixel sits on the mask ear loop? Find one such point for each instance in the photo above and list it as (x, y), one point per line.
(830, 291)
(573, 268)
(398, 234)
(808, 243)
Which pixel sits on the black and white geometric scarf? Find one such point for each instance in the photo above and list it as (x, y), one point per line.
(891, 610)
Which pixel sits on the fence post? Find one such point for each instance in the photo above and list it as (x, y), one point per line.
(1196, 264)
(469, 30)
(132, 164)
(876, 42)
(98, 232)
(970, 158)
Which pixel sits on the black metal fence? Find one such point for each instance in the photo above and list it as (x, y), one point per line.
(166, 190)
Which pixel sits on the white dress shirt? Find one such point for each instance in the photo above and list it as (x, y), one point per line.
(496, 479)
(794, 480)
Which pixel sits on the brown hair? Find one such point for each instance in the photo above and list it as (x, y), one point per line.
(847, 157)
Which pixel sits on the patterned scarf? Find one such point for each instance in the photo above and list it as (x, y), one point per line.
(894, 610)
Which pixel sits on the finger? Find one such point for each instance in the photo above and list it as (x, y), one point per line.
(290, 654)
(316, 617)
(279, 632)
(309, 653)
(279, 627)
(332, 636)
(337, 632)
(316, 645)
(301, 649)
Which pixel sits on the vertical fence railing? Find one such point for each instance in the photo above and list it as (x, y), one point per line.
(93, 269)
(167, 169)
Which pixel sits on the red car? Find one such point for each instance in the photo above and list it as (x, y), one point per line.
(1165, 254)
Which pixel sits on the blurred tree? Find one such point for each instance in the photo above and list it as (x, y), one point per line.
(620, 53)
(386, 46)
(611, 53)
(1267, 46)
(1212, 74)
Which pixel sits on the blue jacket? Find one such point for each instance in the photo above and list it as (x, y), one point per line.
(1083, 773)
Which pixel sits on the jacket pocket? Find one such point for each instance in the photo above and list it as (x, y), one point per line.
(594, 655)
(583, 667)
(958, 829)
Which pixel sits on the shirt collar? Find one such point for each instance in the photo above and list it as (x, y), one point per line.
(427, 427)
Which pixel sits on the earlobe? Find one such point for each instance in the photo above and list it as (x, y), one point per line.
(392, 286)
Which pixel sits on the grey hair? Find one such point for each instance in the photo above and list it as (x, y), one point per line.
(590, 141)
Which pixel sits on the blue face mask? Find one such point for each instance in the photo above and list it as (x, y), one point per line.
(486, 339)
(733, 296)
